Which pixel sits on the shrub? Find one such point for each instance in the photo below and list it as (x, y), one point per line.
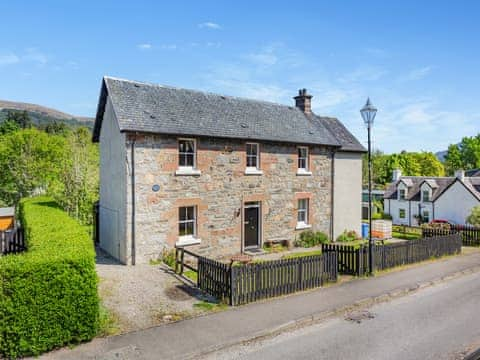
(309, 238)
(48, 295)
(168, 257)
(474, 217)
(348, 236)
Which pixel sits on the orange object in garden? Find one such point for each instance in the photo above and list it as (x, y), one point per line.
(7, 218)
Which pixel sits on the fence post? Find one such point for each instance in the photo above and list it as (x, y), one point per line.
(233, 277)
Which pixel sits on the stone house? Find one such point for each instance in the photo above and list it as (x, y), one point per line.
(409, 199)
(221, 174)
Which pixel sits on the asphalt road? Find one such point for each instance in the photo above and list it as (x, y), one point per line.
(439, 322)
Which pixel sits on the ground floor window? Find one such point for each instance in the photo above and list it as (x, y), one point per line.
(187, 221)
(401, 213)
(425, 216)
(302, 212)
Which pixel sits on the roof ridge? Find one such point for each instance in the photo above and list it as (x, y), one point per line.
(241, 98)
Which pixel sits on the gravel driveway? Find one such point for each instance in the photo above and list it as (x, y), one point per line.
(142, 296)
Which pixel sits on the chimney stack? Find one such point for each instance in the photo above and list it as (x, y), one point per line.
(397, 174)
(460, 175)
(303, 101)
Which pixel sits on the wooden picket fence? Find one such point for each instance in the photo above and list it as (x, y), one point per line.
(12, 241)
(268, 279)
(354, 260)
(242, 284)
(470, 234)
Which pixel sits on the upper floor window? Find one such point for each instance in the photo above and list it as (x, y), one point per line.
(253, 159)
(302, 161)
(303, 157)
(187, 157)
(426, 195)
(402, 194)
(186, 153)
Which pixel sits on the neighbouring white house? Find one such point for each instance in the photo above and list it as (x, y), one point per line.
(410, 198)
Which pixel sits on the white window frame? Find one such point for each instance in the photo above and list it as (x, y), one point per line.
(404, 194)
(252, 170)
(187, 170)
(428, 198)
(305, 224)
(190, 239)
(400, 213)
(428, 215)
(304, 170)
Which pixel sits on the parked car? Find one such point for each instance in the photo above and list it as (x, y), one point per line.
(441, 221)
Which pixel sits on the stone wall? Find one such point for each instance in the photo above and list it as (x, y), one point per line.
(220, 192)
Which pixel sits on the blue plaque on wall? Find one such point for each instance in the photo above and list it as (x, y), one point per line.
(156, 187)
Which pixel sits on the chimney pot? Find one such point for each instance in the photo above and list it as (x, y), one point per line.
(303, 101)
(397, 174)
(460, 175)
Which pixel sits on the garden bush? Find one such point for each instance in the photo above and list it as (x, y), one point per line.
(348, 236)
(48, 294)
(309, 238)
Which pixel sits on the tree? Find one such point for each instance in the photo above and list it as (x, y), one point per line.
(453, 159)
(79, 176)
(56, 127)
(410, 163)
(29, 160)
(8, 126)
(474, 217)
(20, 117)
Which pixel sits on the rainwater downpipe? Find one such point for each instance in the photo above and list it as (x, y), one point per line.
(332, 195)
(132, 148)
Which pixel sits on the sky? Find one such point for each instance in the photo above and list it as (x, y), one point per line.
(418, 61)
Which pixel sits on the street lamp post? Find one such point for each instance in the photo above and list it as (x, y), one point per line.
(368, 114)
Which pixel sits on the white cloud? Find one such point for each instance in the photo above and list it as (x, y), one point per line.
(9, 59)
(209, 25)
(35, 56)
(364, 73)
(169, 46)
(417, 74)
(144, 46)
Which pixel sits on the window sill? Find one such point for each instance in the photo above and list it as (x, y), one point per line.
(187, 240)
(303, 172)
(187, 172)
(302, 226)
(253, 171)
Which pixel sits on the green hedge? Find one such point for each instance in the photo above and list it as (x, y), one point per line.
(48, 295)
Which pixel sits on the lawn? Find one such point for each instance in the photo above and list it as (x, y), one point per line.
(302, 254)
(406, 235)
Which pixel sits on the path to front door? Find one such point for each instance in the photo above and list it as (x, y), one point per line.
(252, 226)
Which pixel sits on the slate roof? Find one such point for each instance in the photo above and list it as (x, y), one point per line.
(442, 184)
(161, 109)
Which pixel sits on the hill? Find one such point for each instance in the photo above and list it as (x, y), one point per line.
(42, 115)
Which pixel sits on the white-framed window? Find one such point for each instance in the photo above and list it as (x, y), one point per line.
(425, 216)
(252, 156)
(253, 159)
(186, 153)
(302, 214)
(402, 194)
(401, 213)
(302, 158)
(426, 195)
(187, 221)
(187, 157)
